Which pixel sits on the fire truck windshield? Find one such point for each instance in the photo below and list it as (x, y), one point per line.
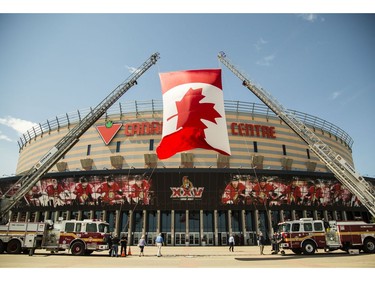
(103, 227)
(284, 227)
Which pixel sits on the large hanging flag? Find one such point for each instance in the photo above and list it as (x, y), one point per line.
(193, 112)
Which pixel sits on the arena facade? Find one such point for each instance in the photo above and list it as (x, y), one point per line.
(197, 197)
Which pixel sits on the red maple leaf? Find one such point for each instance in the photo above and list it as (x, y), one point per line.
(191, 111)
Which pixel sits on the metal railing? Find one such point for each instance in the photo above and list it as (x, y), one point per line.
(156, 106)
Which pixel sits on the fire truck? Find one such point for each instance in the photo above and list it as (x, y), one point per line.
(80, 237)
(307, 236)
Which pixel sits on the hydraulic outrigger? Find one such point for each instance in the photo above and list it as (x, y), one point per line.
(343, 171)
(31, 177)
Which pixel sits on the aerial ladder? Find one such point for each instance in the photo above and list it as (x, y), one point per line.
(32, 176)
(343, 171)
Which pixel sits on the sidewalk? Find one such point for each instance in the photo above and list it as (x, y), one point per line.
(191, 257)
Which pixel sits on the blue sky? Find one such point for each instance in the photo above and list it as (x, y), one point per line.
(321, 64)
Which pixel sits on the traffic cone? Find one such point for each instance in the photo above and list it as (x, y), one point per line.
(123, 253)
(129, 252)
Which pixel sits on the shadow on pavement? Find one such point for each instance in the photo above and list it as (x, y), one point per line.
(293, 257)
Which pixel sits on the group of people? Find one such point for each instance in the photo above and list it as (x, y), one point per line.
(114, 242)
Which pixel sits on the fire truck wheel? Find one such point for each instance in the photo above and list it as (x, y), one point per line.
(308, 248)
(369, 245)
(2, 248)
(78, 248)
(14, 247)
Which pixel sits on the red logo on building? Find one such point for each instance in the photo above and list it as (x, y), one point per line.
(108, 131)
(187, 191)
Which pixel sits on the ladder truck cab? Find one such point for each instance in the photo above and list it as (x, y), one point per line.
(81, 237)
(307, 236)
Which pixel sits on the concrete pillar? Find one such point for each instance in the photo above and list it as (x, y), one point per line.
(18, 216)
(325, 215)
(158, 221)
(293, 213)
(201, 225)
(230, 222)
(91, 214)
(243, 220)
(104, 216)
(27, 217)
(216, 238)
(57, 215)
(187, 227)
(334, 214)
(117, 222)
(315, 214)
(144, 221)
(172, 227)
(256, 219)
(37, 216)
(269, 220)
(344, 217)
(130, 232)
(304, 213)
(282, 218)
(67, 215)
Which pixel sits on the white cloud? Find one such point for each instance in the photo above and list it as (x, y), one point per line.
(335, 95)
(266, 61)
(4, 137)
(309, 17)
(259, 44)
(19, 125)
(131, 69)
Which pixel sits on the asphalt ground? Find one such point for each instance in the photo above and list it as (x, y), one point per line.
(217, 262)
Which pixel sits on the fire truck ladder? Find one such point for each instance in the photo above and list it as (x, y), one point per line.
(28, 180)
(343, 171)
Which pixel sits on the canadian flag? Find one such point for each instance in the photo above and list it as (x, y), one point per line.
(193, 112)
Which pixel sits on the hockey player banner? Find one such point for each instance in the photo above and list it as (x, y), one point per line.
(193, 112)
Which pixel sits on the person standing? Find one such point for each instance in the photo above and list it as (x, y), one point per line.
(123, 243)
(109, 243)
(141, 245)
(231, 243)
(115, 244)
(159, 242)
(261, 242)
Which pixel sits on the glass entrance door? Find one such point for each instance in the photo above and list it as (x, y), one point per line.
(223, 238)
(179, 238)
(194, 238)
(208, 238)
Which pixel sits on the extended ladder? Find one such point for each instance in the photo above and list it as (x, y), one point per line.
(27, 181)
(343, 171)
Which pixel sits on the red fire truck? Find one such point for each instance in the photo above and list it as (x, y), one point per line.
(81, 237)
(307, 235)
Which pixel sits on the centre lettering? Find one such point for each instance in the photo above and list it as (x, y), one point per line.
(241, 129)
(252, 130)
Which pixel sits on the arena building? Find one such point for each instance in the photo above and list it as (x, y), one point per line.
(198, 197)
